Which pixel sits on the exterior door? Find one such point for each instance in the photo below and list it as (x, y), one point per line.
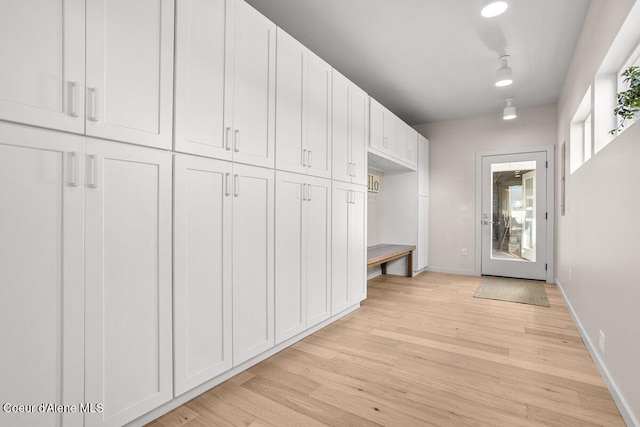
(514, 215)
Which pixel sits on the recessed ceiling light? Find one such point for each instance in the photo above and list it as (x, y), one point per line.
(504, 75)
(509, 112)
(494, 8)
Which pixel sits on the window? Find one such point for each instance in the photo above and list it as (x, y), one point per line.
(581, 141)
(634, 59)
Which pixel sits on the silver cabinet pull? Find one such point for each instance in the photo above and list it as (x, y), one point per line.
(304, 158)
(236, 185)
(93, 104)
(308, 192)
(236, 140)
(227, 179)
(226, 139)
(74, 170)
(309, 158)
(304, 189)
(72, 99)
(92, 171)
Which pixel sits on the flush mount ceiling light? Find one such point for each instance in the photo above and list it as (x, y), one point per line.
(494, 8)
(504, 75)
(509, 112)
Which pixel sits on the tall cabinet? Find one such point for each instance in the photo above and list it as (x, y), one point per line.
(422, 248)
(128, 319)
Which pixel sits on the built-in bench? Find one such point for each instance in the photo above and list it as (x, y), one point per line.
(382, 254)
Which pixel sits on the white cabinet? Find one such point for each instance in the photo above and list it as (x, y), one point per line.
(41, 273)
(43, 59)
(303, 105)
(423, 166)
(390, 133)
(202, 40)
(422, 248)
(253, 261)
(202, 270)
(407, 149)
(350, 131)
(349, 246)
(130, 71)
(303, 253)
(128, 339)
(391, 138)
(225, 81)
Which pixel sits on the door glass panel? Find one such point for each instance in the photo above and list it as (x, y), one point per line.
(513, 212)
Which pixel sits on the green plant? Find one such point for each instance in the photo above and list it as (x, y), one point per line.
(628, 100)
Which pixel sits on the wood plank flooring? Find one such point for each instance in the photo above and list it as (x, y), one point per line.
(420, 352)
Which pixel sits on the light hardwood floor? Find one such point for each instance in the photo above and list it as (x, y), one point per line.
(420, 352)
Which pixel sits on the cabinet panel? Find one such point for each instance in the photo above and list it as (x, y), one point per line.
(318, 251)
(254, 46)
(201, 29)
(412, 146)
(289, 103)
(290, 294)
(253, 262)
(41, 272)
(391, 133)
(359, 123)
(317, 131)
(340, 128)
(340, 247)
(423, 233)
(130, 71)
(358, 245)
(376, 125)
(202, 270)
(43, 59)
(423, 166)
(128, 276)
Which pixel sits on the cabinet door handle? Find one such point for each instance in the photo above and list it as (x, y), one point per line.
(93, 104)
(72, 99)
(304, 158)
(226, 139)
(236, 140)
(227, 179)
(236, 185)
(309, 158)
(92, 171)
(308, 192)
(74, 170)
(304, 190)
(349, 196)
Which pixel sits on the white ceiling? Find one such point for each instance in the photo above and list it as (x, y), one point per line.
(431, 60)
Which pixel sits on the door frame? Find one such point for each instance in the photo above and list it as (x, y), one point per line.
(551, 207)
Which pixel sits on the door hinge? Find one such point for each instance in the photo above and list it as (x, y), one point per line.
(546, 164)
(545, 267)
(546, 215)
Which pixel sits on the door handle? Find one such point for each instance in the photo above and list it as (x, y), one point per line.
(74, 179)
(236, 186)
(72, 98)
(304, 191)
(93, 104)
(304, 158)
(485, 222)
(92, 171)
(309, 158)
(226, 139)
(227, 179)
(236, 140)
(308, 192)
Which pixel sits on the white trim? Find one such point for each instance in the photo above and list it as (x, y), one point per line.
(183, 398)
(618, 398)
(551, 203)
(451, 271)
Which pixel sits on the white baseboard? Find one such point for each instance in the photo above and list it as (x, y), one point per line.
(451, 271)
(194, 392)
(618, 398)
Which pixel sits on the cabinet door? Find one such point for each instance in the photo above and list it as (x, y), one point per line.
(290, 289)
(412, 146)
(318, 250)
(289, 103)
(201, 32)
(357, 245)
(253, 262)
(130, 71)
(128, 281)
(317, 129)
(202, 270)
(41, 272)
(423, 166)
(376, 125)
(253, 74)
(390, 133)
(359, 129)
(402, 141)
(341, 204)
(341, 154)
(42, 72)
(423, 233)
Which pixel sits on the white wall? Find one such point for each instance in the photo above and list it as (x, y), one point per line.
(452, 187)
(598, 241)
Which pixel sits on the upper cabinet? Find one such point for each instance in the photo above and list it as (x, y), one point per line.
(423, 166)
(391, 138)
(303, 109)
(42, 73)
(129, 90)
(350, 131)
(225, 82)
